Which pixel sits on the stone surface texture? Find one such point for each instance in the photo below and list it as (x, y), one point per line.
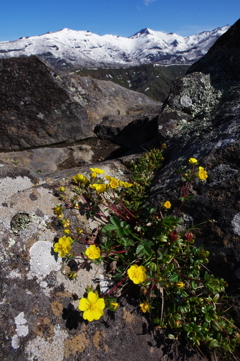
(40, 106)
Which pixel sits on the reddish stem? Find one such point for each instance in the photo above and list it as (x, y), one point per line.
(116, 285)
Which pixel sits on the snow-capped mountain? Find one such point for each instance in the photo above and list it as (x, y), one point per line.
(67, 47)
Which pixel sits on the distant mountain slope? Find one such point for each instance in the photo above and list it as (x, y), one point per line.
(152, 80)
(67, 48)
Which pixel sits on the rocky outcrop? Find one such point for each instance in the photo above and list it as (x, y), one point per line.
(200, 119)
(40, 107)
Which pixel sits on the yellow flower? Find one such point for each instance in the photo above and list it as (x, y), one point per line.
(137, 274)
(145, 307)
(66, 231)
(167, 205)
(97, 170)
(100, 188)
(63, 246)
(193, 161)
(114, 305)
(125, 184)
(92, 306)
(93, 252)
(202, 174)
(113, 183)
(80, 178)
(93, 175)
(179, 285)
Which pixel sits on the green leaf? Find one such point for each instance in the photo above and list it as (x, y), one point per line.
(171, 322)
(147, 249)
(174, 277)
(127, 242)
(194, 285)
(139, 249)
(177, 316)
(109, 227)
(208, 318)
(120, 232)
(213, 343)
(116, 221)
(183, 309)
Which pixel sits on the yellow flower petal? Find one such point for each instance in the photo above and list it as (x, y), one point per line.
(84, 304)
(193, 161)
(100, 304)
(93, 297)
(97, 170)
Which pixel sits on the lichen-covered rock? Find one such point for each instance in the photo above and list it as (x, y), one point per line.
(200, 119)
(39, 319)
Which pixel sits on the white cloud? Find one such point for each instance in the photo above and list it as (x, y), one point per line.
(147, 2)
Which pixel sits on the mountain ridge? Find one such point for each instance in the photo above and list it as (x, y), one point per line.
(68, 48)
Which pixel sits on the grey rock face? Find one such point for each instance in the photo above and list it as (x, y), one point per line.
(200, 119)
(40, 107)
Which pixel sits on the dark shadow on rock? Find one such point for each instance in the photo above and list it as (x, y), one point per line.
(72, 264)
(72, 317)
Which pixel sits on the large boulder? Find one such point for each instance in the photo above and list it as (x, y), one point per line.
(40, 107)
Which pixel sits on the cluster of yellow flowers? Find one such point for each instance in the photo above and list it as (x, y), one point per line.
(63, 246)
(202, 173)
(113, 183)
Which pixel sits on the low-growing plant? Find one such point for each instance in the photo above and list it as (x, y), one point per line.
(149, 248)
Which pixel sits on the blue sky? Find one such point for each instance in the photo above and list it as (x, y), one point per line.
(125, 17)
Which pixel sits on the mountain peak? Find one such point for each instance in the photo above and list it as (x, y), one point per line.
(67, 48)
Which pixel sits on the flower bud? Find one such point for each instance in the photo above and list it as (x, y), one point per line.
(173, 236)
(163, 238)
(188, 236)
(179, 285)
